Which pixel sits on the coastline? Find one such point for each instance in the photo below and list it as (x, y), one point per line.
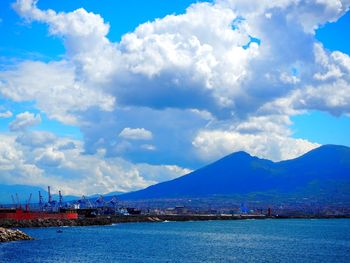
(109, 220)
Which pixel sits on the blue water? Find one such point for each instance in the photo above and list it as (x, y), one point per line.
(212, 241)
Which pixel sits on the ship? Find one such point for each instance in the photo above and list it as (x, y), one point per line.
(52, 209)
(48, 210)
(20, 214)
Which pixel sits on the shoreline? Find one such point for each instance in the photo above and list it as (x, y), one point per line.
(109, 220)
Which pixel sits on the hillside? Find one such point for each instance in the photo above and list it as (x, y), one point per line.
(324, 171)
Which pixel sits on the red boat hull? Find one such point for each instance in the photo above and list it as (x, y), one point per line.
(19, 214)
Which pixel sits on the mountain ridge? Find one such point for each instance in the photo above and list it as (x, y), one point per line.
(241, 173)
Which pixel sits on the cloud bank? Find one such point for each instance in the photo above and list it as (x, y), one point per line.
(222, 77)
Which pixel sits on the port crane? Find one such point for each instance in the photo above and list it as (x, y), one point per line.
(28, 202)
(13, 201)
(85, 202)
(60, 199)
(49, 195)
(41, 201)
(100, 202)
(18, 201)
(114, 203)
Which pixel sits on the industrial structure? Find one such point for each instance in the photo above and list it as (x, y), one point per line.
(52, 209)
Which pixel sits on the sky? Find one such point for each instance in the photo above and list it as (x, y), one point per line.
(98, 96)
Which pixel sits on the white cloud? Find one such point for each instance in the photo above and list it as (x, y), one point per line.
(69, 169)
(216, 144)
(267, 137)
(309, 14)
(24, 120)
(36, 139)
(199, 60)
(185, 61)
(6, 114)
(328, 91)
(50, 157)
(54, 88)
(136, 134)
(148, 147)
(84, 35)
(162, 172)
(195, 77)
(14, 169)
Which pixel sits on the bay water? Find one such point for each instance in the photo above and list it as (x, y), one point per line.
(283, 240)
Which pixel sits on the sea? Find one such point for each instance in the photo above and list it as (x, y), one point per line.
(270, 240)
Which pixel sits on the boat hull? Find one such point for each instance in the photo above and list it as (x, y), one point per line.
(19, 214)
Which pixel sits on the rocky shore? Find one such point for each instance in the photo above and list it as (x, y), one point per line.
(7, 235)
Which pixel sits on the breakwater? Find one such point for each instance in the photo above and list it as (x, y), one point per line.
(8, 235)
(108, 220)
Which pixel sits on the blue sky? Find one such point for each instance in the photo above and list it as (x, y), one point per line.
(124, 16)
(149, 90)
(20, 42)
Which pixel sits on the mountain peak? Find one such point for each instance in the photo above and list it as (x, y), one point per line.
(236, 158)
(240, 173)
(239, 154)
(333, 147)
(327, 149)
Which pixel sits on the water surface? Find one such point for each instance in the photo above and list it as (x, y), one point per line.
(291, 240)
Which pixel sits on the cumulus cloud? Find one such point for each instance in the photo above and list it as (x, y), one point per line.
(172, 133)
(136, 134)
(14, 169)
(223, 76)
(67, 146)
(50, 157)
(203, 59)
(36, 139)
(309, 14)
(54, 88)
(24, 120)
(331, 90)
(67, 168)
(267, 137)
(162, 172)
(327, 91)
(215, 144)
(6, 114)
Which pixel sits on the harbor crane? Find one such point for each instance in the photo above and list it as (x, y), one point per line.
(100, 202)
(41, 201)
(13, 201)
(28, 202)
(60, 200)
(85, 202)
(18, 201)
(49, 195)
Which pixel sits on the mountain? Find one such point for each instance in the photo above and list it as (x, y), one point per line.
(323, 174)
(324, 171)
